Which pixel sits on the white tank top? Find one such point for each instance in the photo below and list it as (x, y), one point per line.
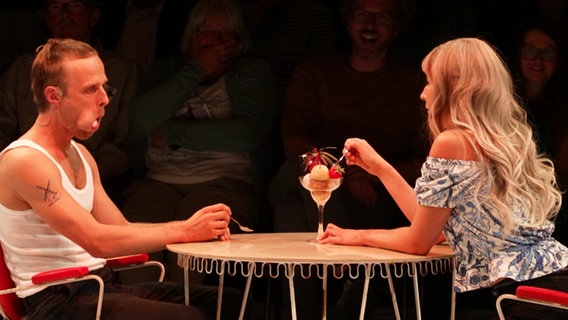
(30, 245)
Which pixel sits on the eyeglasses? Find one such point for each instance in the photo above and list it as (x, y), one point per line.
(220, 33)
(548, 54)
(379, 18)
(71, 7)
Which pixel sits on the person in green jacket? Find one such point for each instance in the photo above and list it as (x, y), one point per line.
(203, 125)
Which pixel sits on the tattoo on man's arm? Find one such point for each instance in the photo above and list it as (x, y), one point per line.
(49, 195)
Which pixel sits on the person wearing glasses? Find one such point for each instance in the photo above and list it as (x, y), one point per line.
(75, 19)
(366, 91)
(201, 124)
(539, 67)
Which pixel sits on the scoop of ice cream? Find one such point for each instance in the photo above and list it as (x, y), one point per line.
(319, 172)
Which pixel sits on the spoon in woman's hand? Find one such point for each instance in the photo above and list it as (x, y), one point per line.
(340, 158)
(243, 228)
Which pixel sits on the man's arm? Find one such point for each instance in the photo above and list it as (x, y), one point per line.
(35, 182)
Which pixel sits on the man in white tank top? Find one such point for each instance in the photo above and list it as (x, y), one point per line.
(54, 212)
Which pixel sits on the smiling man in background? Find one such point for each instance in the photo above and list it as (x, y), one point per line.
(368, 93)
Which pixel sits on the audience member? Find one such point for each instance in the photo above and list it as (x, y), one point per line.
(366, 92)
(538, 66)
(203, 126)
(55, 213)
(144, 30)
(484, 186)
(75, 19)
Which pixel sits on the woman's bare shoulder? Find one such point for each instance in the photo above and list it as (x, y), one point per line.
(454, 144)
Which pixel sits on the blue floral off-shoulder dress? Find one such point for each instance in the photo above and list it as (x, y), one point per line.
(484, 254)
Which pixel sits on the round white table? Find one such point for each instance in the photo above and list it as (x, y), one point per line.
(261, 254)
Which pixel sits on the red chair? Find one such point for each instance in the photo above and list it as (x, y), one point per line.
(11, 307)
(535, 295)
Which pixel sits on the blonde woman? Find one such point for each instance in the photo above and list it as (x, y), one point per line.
(484, 187)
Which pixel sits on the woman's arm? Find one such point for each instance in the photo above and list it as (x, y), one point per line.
(424, 232)
(426, 222)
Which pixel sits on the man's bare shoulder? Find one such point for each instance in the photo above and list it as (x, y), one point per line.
(21, 156)
(23, 163)
(22, 168)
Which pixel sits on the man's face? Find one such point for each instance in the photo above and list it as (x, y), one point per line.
(71, 19)
(84, 100)
(372, 27)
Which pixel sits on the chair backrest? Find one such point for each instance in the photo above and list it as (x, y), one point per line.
(543, 295)
(12, 306)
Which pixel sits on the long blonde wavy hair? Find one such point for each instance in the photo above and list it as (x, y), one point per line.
(475, 92)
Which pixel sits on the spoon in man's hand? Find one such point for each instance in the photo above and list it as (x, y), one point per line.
(243, 228)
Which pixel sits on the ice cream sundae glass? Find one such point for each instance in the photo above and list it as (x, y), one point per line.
(323, 175)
